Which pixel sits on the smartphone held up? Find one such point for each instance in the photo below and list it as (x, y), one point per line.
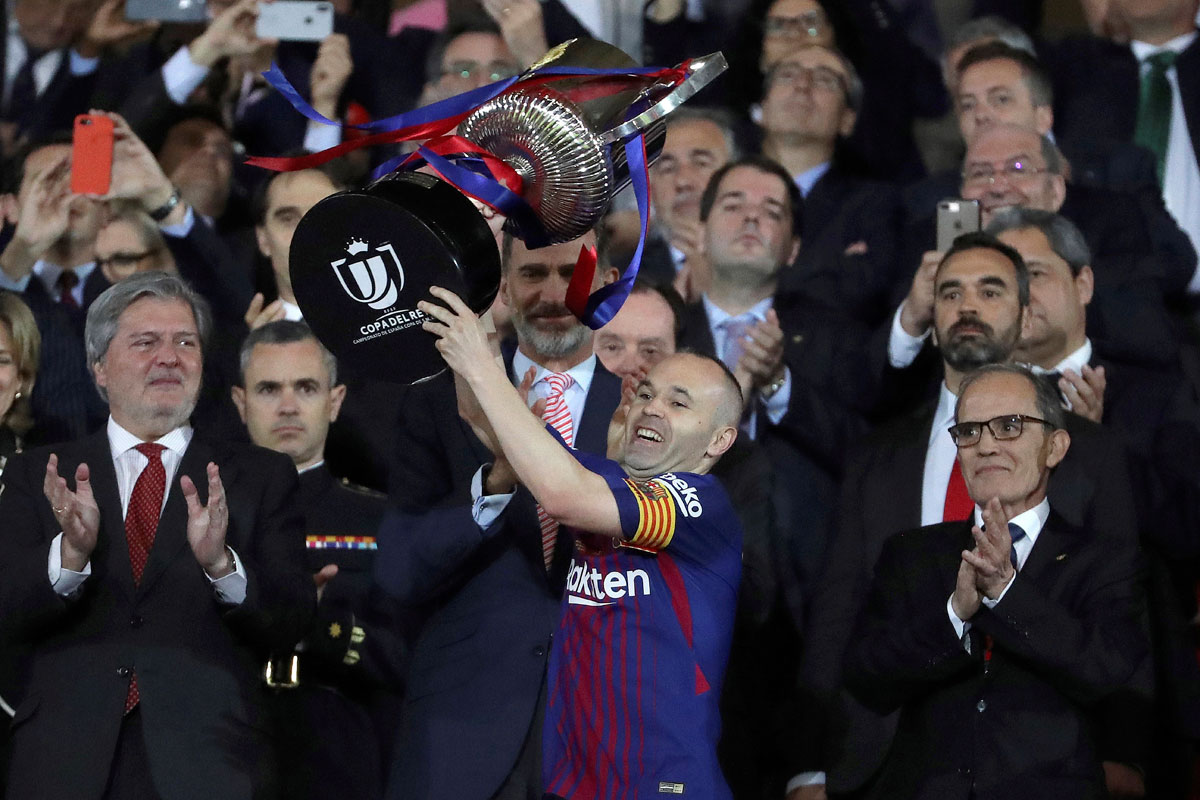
(91, 154)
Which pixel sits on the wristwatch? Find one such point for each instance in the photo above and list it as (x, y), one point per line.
(164, 211)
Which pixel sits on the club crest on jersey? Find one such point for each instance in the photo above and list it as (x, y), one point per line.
(591, 587)
(686, 498)
(369, 278)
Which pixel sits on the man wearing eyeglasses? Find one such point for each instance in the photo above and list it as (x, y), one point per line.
(811, 104)
(1009, 166)
(905, 475)
(999, 637)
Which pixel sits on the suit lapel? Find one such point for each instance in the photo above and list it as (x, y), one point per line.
(696, 333)
(602, 398)
(1051, 550)
(171, 534)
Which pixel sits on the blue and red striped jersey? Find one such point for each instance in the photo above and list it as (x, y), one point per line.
(639, 656)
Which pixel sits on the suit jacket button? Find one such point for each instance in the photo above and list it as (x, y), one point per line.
(981, 706)
(135, 621)
(124, 671)
(539, 651)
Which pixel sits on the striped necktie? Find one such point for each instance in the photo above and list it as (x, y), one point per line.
(558, 416)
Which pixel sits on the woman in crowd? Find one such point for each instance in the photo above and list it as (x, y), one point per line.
(20, 345)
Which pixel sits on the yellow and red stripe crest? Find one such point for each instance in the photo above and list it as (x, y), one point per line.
(656, 526)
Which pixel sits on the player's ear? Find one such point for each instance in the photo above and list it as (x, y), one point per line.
(722, 440)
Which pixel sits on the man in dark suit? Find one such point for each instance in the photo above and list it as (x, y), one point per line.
(147, 591)
(1137, 261)
(47, 76)
(810, 106)
(50, 260)
(698, 143)
(331, 697)
(903, 476)
(1131, 398)
(469, 554)
(1145, 91)
(1000, 687)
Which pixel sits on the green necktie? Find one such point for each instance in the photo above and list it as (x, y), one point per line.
(1153, 129)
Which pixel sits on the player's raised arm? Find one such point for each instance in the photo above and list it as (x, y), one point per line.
(568, 491)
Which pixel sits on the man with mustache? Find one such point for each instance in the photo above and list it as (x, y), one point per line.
(470, 554)
(904, 475)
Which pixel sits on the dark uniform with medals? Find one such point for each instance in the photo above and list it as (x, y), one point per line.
(332, 702)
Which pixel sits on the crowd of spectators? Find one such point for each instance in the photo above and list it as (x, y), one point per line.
(793, 236)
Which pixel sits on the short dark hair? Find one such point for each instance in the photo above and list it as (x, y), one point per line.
(14, 168)
(284, 331)
(762, 164)
(671, 297)
(1065, 239)
(156, 138)
(603, 248)
(258, 202)
(1035, 75)
(1048, 400)
(983, 241)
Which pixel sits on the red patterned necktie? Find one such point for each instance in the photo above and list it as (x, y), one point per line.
(959, 504)
(141, 523)
(558, 415)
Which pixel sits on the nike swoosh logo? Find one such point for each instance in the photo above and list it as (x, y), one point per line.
(583, 601)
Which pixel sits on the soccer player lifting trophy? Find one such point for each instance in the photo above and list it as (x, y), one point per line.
(542, 154)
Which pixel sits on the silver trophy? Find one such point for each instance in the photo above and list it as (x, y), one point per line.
(407, 231)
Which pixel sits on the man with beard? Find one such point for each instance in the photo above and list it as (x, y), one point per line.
(473, 556)
(904, 475)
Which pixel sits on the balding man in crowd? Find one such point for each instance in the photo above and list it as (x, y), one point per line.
(999, 636)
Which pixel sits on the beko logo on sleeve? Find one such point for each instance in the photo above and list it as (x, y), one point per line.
(686, 498)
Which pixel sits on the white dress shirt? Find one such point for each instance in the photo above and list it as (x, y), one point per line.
(1031, 521)
(128, 464)
(1075, 361)
(940, 454)
(486, 508)
(182, 76)
(903, 349)
(1181, 172)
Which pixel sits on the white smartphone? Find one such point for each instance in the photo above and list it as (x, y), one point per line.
(294, 20)
(954, 218)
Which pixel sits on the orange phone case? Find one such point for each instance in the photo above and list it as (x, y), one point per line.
(92, 154)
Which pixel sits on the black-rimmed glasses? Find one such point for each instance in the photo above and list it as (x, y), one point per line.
(1008, 426)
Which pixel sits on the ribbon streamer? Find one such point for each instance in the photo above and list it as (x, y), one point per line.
(484, 177)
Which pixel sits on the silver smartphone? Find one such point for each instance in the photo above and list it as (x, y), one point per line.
(954, 218)
(294, 20)
(167, 10)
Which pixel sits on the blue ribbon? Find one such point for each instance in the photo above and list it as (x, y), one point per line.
(604, 303)
(442, 109)
(490, 191)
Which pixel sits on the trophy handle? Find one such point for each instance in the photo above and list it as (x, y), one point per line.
(704, 70)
